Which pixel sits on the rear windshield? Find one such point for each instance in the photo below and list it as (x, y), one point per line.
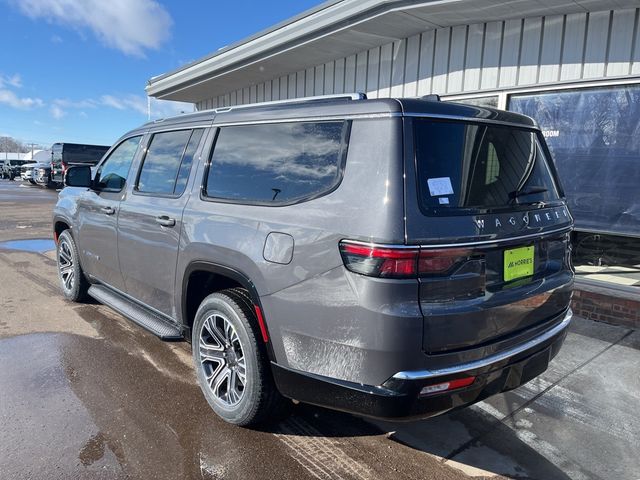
(480, 166)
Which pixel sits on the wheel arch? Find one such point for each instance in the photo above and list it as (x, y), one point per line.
(228, 278)
(60, 224)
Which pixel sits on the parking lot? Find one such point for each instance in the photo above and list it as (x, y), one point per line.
(84, 393)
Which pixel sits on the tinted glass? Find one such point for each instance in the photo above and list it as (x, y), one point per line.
(112, 174)
(465, 165)
(594, 134)
(162, 162)
(167, 164)
(187, 161)
(276, 163)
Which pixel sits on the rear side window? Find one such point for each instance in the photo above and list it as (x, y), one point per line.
(480, 166)
(277, 163)
(167, 164)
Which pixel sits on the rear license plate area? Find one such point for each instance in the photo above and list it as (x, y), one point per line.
(518, 263)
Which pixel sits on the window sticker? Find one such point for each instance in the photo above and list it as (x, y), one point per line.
(443, 201)
(440, 186)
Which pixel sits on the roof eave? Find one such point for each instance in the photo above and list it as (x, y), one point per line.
(312, 24)
(337, 29)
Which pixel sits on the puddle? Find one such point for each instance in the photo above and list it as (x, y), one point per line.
(35, 245)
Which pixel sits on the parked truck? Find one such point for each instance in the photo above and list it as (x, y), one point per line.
(65, 155)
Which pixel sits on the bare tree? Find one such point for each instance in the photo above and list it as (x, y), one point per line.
(8, 144)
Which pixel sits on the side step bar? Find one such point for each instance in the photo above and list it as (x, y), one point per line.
(136, 313)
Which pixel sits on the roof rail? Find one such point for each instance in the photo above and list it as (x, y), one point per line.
(432, 97)
(335, 96)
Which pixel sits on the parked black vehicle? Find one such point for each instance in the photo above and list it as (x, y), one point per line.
(393, 257)
(64, 155)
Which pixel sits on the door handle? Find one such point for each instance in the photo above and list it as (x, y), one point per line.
(166, 221)
(108, 210)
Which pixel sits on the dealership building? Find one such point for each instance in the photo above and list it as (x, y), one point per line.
(573, 65)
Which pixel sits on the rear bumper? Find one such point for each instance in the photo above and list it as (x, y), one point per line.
(399, 397)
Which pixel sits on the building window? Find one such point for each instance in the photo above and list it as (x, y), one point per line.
(594, 135)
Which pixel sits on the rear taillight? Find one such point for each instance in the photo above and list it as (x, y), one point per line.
(377, 261)
(400, 262)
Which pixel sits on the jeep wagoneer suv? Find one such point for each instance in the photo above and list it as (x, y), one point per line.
(395, 258)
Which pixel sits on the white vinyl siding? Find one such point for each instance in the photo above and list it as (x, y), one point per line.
(469, 59)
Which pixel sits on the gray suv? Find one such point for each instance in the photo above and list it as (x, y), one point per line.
(394, 258)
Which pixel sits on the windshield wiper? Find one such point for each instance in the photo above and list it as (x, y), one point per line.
(527, 191)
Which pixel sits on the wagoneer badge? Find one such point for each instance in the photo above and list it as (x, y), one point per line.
(522, 221)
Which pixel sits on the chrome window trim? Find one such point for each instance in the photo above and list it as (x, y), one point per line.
(484, 362)
(175, 127)
(565, 229)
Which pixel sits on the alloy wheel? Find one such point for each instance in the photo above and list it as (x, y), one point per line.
(65, 265)
(222, 359)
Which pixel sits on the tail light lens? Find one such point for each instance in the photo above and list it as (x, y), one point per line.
(408, 262)
(438, 262)
(380, 261)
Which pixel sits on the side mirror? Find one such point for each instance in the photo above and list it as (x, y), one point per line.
(79, 176)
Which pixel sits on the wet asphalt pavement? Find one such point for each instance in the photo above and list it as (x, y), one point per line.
(84, 393)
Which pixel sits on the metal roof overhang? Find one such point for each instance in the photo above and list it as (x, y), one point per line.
(339, 28)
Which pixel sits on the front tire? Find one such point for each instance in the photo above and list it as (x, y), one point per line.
(73, 283)
(231, 361)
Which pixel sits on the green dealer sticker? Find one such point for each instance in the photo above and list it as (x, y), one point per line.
(518, 263)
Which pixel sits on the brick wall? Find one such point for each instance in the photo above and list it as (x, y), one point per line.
(607, 308)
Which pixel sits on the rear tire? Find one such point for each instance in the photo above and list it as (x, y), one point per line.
(231, 361)
(73, 283)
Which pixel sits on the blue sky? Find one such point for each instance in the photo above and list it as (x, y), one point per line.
(75, 70)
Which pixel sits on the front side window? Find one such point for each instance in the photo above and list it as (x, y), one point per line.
(167, 164)
(277, 163)
(112, 173)
(478, 166)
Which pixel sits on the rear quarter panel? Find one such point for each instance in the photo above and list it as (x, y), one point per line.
(368, 205)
